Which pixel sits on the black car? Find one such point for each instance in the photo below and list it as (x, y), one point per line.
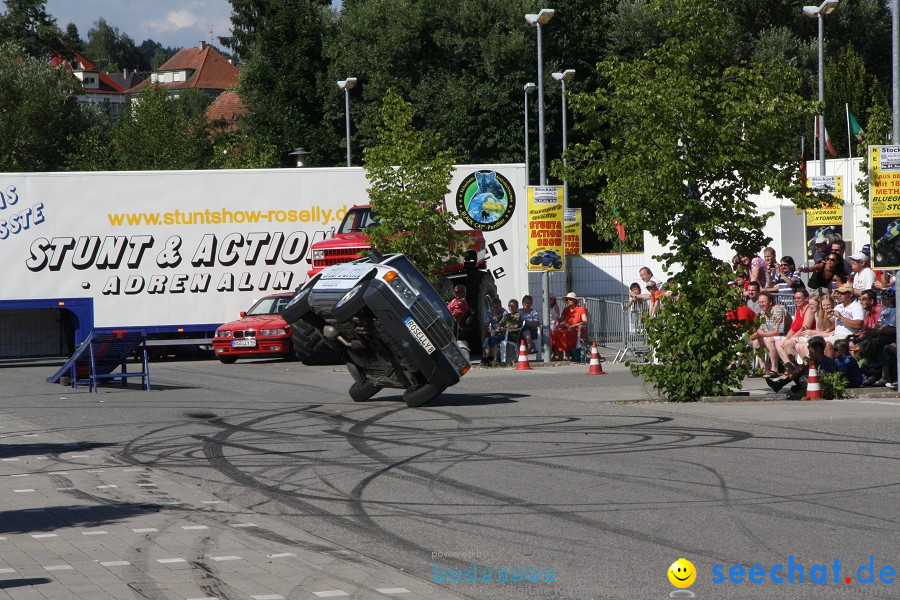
(387, 322)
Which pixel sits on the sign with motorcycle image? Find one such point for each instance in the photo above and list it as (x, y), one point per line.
(828, 220)
(884, 205)
(545, 228)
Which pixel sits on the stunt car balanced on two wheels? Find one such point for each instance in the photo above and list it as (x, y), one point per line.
(388, 324)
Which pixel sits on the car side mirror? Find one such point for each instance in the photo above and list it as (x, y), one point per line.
(243, 314)
(330, 233)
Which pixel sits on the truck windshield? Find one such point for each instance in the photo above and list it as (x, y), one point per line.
(269, 306)
(358, 219)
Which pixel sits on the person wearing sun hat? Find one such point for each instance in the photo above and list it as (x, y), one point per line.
(565, 336)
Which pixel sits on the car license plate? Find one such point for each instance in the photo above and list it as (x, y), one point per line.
(251, 343)
(419, 335)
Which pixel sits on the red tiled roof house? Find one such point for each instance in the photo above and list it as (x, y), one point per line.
(200, 68)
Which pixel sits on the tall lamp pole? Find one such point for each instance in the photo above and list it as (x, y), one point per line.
(538, 20)
(347, 85)
(817, 12)
(562, 78)
(529, 89)
(895, 69)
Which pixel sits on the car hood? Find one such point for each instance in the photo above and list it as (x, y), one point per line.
(344, 240)
(255, 322)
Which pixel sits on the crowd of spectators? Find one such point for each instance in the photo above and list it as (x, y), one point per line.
(842, 319)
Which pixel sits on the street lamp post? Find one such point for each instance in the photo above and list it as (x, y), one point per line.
(347, 85)
(562, 78)
(817, 12)
(529, 89)
(538, 20)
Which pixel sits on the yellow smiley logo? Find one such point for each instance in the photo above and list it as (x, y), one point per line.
(682, 573)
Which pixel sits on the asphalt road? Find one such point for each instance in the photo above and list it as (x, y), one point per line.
(550, 470)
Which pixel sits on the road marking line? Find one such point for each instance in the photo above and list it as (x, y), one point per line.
(58, 473)
(221, 558)
(64, 489)
(24, 491)
(281, 555)
(393, 591)
(235, 524)
(80, 456)
(268, 597)
(21, 475)
(331, 593)
(40, 458)
(101, 532)
(39, 536)
(145, 530)
(170, 560)
(5, 571)
(897, 404)
(115, 563)
(59, 567)
(190, 527)
(106, 487)
(9, 459)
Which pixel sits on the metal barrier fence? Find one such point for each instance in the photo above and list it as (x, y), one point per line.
(615, 325)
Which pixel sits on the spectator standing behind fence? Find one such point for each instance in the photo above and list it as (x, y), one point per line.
(755, 268)
(831, 275)
(565, 337)
(783, 278)
(863, 276)
(636, 306)
(646, 278)
(530, 321)
(771, 328)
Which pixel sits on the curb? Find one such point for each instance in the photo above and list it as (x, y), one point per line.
(779, 397)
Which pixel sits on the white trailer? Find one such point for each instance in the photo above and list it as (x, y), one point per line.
(177, 253)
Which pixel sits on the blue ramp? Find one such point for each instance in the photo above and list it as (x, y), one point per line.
(102, 353)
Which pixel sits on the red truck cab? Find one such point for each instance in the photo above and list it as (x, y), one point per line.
(351, 242)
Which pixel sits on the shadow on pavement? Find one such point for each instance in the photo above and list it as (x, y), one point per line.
(26, 520)
(14, 583)
(13, 450)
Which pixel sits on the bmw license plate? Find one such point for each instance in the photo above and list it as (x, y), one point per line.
(251, 343)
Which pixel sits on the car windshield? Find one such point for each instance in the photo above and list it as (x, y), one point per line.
(269, 306)
(357, 220)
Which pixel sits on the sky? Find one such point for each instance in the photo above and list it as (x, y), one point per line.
(176, 23)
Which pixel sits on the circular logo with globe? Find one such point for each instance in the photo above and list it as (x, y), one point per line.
(485, 200)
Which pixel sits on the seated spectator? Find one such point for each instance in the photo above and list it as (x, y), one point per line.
(458, 307)
(511, 322)
(752, 296)
(878, 331)
(799, 375)
(492, 337)
(803, 322)
(889, 366)
(565, 337)
(824, 324)
(848, 317)
(846, 364)
(530, 322)
(772, 327)
(863, 276)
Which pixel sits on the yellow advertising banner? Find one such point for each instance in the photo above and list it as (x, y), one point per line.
(572, 219)
(545, 228)
(828, 221)
(884, 205)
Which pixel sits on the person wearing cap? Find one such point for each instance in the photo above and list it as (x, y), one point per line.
(848, 317)
(839, 247)
(819, 255)
(863, 276)
(565, 337)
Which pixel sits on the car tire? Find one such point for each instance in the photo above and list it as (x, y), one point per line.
(228, 360)
(360, 392)
(310, 347)
(421, 395)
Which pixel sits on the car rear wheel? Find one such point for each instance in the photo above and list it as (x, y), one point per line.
(421, 395)
(360, 392)
(228, 360)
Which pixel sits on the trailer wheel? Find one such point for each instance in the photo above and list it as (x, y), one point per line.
(421, 395)
(311, 347)
(360, 392)
(228, 360)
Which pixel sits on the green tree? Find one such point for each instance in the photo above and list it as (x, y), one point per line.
(695, 132)
(72, 39)
(846, 82)
(409, 176)
(28, 25)
(284, 74)
(40, 114)
(236, 150)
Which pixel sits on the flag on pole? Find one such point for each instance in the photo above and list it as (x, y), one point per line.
(620, 229)
(802, 162)
(855, 130)
(828, 145)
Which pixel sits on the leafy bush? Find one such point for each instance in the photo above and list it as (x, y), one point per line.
(834, 385)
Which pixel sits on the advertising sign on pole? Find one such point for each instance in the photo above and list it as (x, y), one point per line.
(573, 230)
(545, 228)
(827, 221)
(884, 205)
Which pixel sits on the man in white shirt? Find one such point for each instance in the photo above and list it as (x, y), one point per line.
(848, 318)
(863, 276)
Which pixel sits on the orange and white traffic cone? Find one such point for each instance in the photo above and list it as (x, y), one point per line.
(595, 368)
(523, 365)
(813, 391)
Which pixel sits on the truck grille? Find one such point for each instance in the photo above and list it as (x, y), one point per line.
(250, 333)
(337, 256)
(431, 323)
